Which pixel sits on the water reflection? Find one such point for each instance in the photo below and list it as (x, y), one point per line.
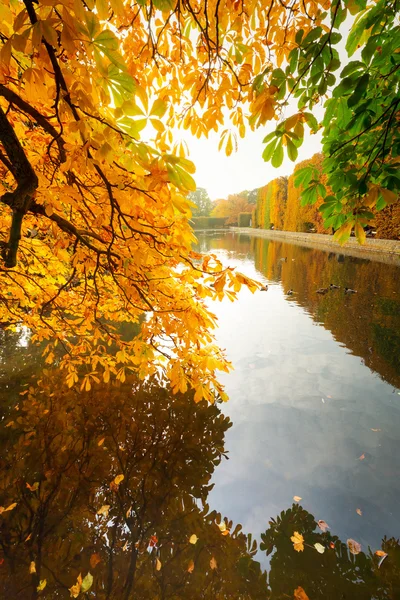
(63, 457)
(367, 323)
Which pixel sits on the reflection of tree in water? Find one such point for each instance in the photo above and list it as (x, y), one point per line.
(167, 448)
(69, 447)
(334, 575)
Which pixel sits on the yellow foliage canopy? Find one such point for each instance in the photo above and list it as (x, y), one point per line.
(94, 219)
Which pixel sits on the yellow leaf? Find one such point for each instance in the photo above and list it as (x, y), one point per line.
(297, 498)
(298, 541)
(11, 507)
(359, 511)
(118, 479)
(75, 589)
(193, 539)
(380, 553)
(158, 565)
(32, 567)
(299, 594)
(213, 563)
(101, 442)
(360, 233)
(42, 585)
(104, 510)
(319, 548)
(388, 196)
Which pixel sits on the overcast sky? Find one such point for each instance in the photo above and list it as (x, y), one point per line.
(221, 175)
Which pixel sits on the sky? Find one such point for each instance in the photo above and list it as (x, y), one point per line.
(222, 175)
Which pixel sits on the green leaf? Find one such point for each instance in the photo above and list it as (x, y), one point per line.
(359, 91)
(303, 176)
(311, 121)
(269, 151)
(277, 157)
(87, 583)
(292, 151)
(313, 35)
(354, 65)
(299, 36)
(335, 37)
(269, 137)
(164, 5)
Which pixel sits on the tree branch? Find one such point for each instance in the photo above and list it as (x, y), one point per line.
(36, 115)
(27, 182)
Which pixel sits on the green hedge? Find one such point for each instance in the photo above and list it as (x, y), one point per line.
(244, 219)
(208, 222)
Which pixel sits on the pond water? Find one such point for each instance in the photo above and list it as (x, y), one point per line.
(126, 492)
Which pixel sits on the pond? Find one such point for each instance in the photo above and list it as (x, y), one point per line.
(126, 492)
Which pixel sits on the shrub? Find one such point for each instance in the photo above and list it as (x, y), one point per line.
(244, 219)
(208, 222)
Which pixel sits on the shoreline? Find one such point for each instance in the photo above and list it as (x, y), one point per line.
(380, 250)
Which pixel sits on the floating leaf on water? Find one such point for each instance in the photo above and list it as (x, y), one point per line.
(298, 541)
(319, 548)
(297, 498)
(95, 559)
(32, 567)
(359, 511)
(153, 541)
(213, 563)
(299, 594)
(190, 567)
(34, 487)
(11, 507)
(42, 585)
(323, 525)
(87, 583)
(104, 510)
(382, 559)
(193, 539)
(376, 429)
(75, 589)
(353, 546)
(158, 565)
(361, 457)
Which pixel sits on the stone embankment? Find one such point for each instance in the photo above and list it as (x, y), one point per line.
(387, 251)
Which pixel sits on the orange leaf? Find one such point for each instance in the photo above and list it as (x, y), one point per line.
(94, 560)
(299, 594)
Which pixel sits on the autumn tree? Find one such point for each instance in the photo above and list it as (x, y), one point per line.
(202, 202)
(108, 489)
(94, 211)
(231, 208)
(361, 139)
